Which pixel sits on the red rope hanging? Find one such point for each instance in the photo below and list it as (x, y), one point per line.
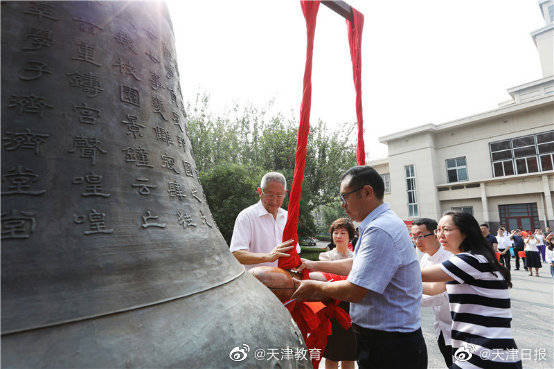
(305, 318)
(309, 8)
(355, 41)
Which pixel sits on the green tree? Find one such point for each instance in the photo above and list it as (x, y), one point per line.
(327, 215)
(229, 188)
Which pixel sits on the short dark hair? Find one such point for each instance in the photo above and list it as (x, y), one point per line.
(362, 175)
(429, 223)
(344, 223)
(484, 225)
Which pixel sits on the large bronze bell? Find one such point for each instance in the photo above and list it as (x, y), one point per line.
(110, 257)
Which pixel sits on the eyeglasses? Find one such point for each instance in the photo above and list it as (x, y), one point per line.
(419, 238)
(342, 195)
(444, 230)
(274, 196)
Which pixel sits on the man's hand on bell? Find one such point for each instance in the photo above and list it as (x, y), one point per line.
(280, 250)
(308, 290)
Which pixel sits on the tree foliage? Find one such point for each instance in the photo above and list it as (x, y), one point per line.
(229, 188)
(233, 151)
(327, 214)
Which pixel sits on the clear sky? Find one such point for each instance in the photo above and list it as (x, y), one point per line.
(427, 61)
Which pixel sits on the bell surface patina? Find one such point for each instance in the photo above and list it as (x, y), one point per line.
(110, 256)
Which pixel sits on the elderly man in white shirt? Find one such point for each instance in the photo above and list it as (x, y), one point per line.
(424, 238)
(258, 231)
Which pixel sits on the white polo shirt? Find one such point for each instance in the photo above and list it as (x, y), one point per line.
(257, 231)
(439, 303)
(504, 242)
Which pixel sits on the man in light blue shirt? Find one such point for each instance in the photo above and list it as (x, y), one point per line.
(384, 278)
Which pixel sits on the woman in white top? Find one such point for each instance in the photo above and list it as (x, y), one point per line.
(341, 239)
(541, 246)
(504, 245)
(532, 257)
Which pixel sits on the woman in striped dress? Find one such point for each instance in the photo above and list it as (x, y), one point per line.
(477, 287)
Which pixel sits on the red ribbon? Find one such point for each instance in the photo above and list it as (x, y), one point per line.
(355, 42)
(305, 318)
(318, 325)
(318, 336)
(309, 8)
(333, 310)
(334, 277)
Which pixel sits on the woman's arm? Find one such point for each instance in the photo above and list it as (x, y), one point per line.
(435, 274)
(341, 267)
(433, 288)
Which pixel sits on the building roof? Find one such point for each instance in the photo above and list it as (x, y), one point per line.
(540, 5)
(544, 29)
(543, 81)
(473, 119)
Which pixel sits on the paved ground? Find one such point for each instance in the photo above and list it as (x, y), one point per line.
(532, 325)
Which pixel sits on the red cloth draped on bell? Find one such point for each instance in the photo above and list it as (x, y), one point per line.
(334, 277)
(318, 336)
(355, 41)
(309, 8)
(315, 320)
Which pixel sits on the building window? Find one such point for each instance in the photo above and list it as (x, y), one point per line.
(386, 181)
(411, 190)
(463, 209)
(456, 169)
(522, 216)
(545, 146)
(551, 13)
(522, 155)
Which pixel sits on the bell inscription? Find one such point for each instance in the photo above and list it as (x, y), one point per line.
(110, 256)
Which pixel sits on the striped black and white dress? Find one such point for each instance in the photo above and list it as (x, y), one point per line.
(481, 314)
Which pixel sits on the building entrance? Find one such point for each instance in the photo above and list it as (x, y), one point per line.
(522, 216)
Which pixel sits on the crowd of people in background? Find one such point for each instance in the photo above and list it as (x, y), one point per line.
(533, 248)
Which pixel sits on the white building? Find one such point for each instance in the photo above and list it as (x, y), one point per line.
(498, 165)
